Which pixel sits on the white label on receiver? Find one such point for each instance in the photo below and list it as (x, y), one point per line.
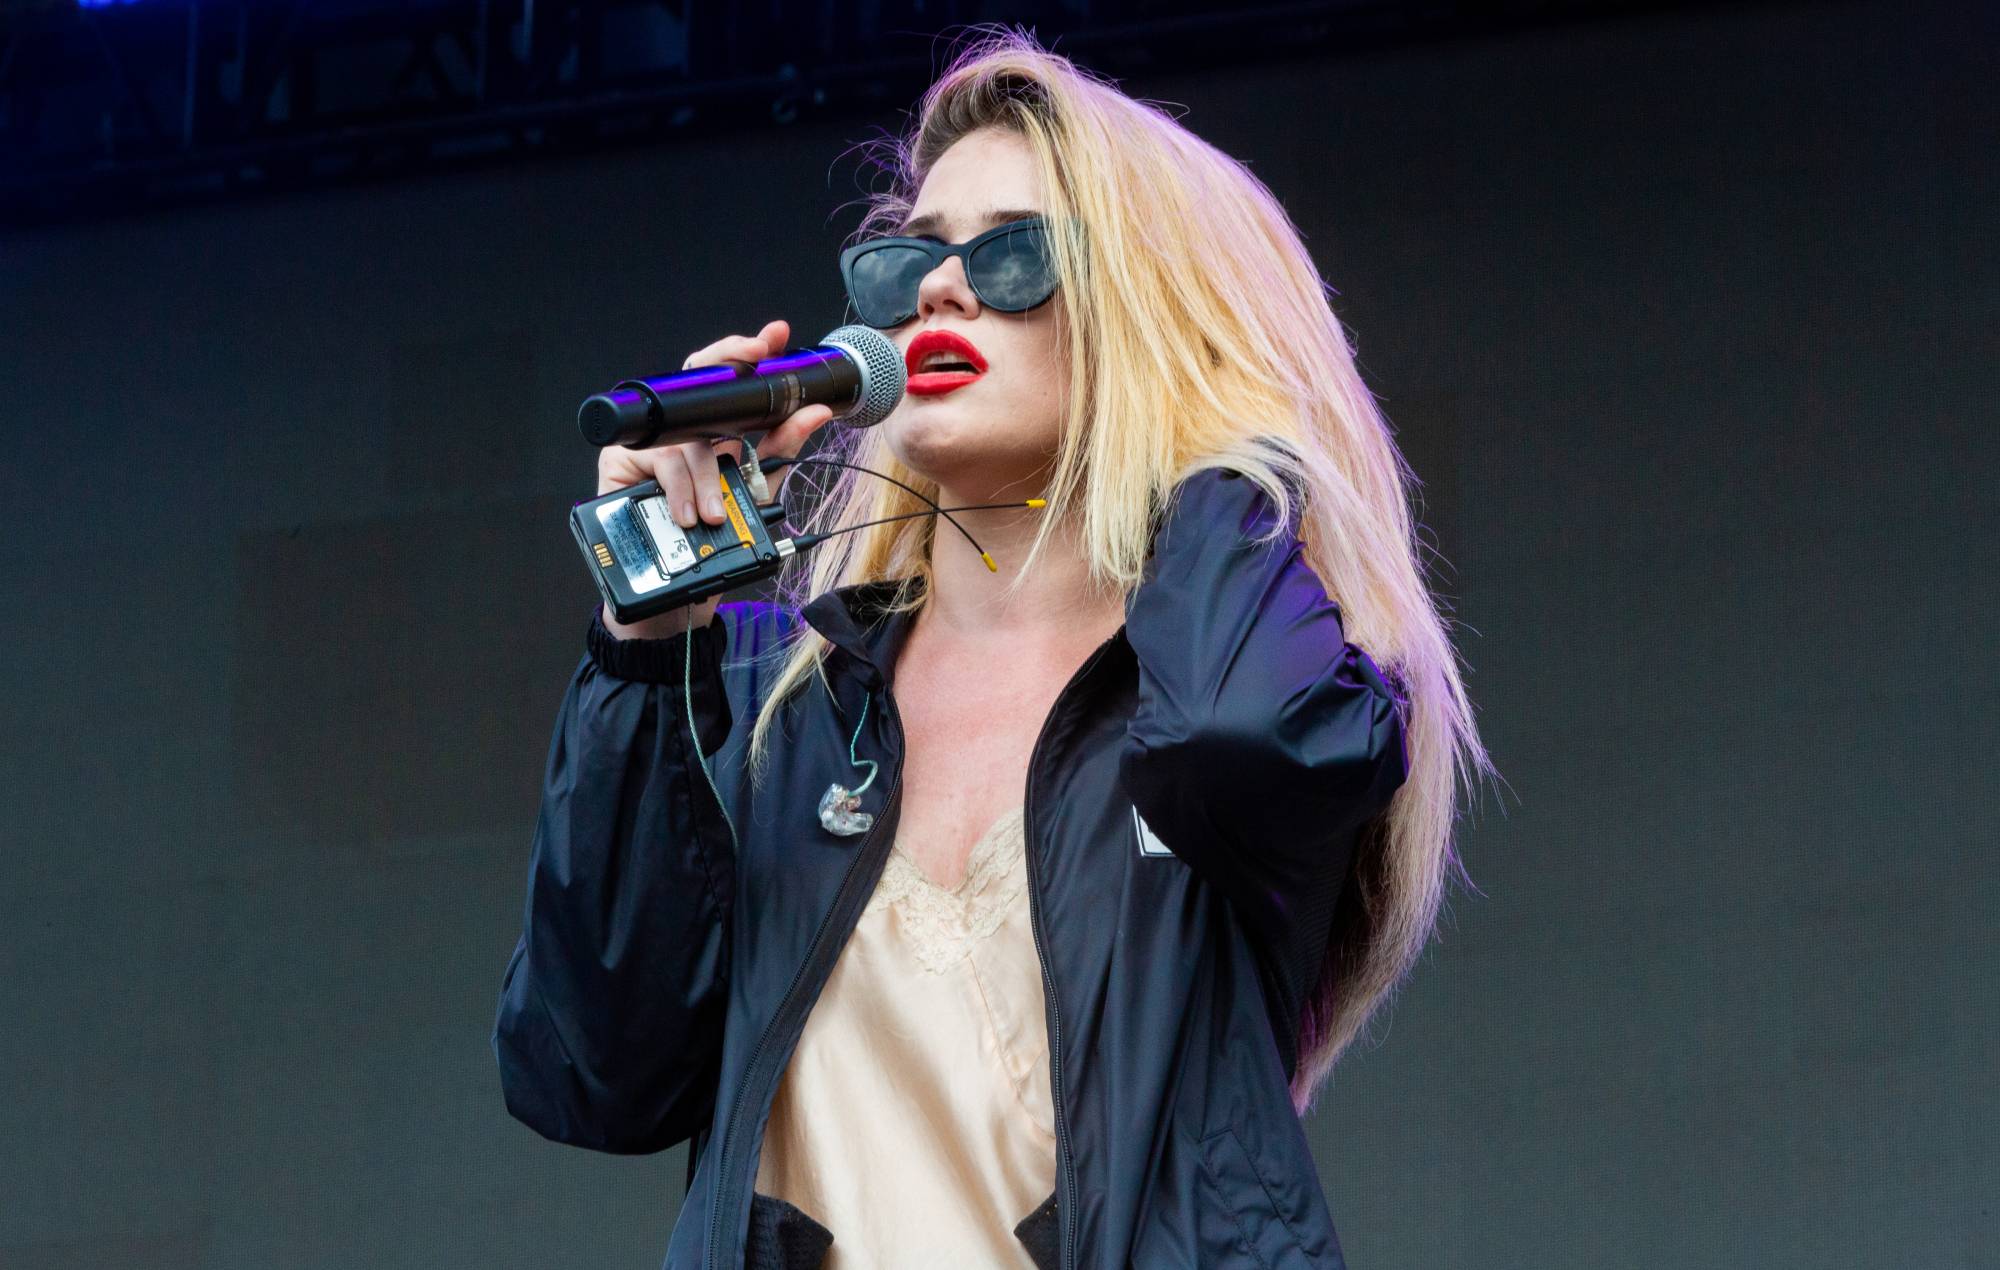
(668, 538)
(624, 521)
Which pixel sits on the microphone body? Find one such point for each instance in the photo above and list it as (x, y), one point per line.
(855, 369)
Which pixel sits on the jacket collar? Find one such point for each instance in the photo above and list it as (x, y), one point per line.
(856, 619)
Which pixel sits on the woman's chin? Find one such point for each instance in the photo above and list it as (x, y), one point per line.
(939, 440)
(975, 453)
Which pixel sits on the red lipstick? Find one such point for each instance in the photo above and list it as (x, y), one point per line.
(953, 347)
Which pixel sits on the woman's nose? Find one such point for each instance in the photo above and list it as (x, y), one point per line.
(945, 287)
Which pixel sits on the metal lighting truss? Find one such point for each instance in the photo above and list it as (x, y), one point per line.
(109, 106)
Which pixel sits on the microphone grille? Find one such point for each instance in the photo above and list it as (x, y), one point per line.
(881, 369)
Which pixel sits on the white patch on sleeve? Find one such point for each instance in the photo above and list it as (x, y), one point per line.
(1149, 842)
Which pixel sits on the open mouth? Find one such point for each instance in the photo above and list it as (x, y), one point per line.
(940, 361)
(948, 365)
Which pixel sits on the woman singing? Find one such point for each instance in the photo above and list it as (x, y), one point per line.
(1005, 905)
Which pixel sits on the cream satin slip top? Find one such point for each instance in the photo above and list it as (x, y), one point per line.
(915, 1119)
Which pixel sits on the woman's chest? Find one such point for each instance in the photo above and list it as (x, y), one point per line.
(966, 747)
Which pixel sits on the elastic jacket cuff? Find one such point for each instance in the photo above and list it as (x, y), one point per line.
(659, 661)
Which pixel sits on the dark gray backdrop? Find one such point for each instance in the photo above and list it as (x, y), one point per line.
(1686, 321)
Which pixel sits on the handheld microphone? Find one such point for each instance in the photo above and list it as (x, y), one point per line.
(854, 369)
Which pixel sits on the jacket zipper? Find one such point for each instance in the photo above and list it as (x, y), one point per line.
(846, 903)
(1066, 1164)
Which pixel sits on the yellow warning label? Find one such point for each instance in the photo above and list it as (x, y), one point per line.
(735, 515)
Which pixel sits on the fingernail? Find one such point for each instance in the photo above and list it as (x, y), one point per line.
(687, 515)
(714, 506)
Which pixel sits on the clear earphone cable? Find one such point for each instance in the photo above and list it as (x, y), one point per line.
(868, 763)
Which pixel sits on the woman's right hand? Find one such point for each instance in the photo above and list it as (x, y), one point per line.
(690, 476)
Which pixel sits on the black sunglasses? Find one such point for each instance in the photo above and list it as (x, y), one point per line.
(1009, 267)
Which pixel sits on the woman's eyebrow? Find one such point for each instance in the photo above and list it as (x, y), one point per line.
(931, 223)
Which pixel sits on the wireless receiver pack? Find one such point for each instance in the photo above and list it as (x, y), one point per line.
(645, 563)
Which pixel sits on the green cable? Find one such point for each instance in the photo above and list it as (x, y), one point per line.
(687, 696)
(869, 763)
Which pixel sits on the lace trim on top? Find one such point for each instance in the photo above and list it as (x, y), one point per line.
(941, 925)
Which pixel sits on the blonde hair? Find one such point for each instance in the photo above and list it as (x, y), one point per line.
(1200, 335)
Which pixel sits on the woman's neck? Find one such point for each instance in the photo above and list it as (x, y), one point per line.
(1057, 604)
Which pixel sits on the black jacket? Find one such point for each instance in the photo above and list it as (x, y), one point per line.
(665, 972)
